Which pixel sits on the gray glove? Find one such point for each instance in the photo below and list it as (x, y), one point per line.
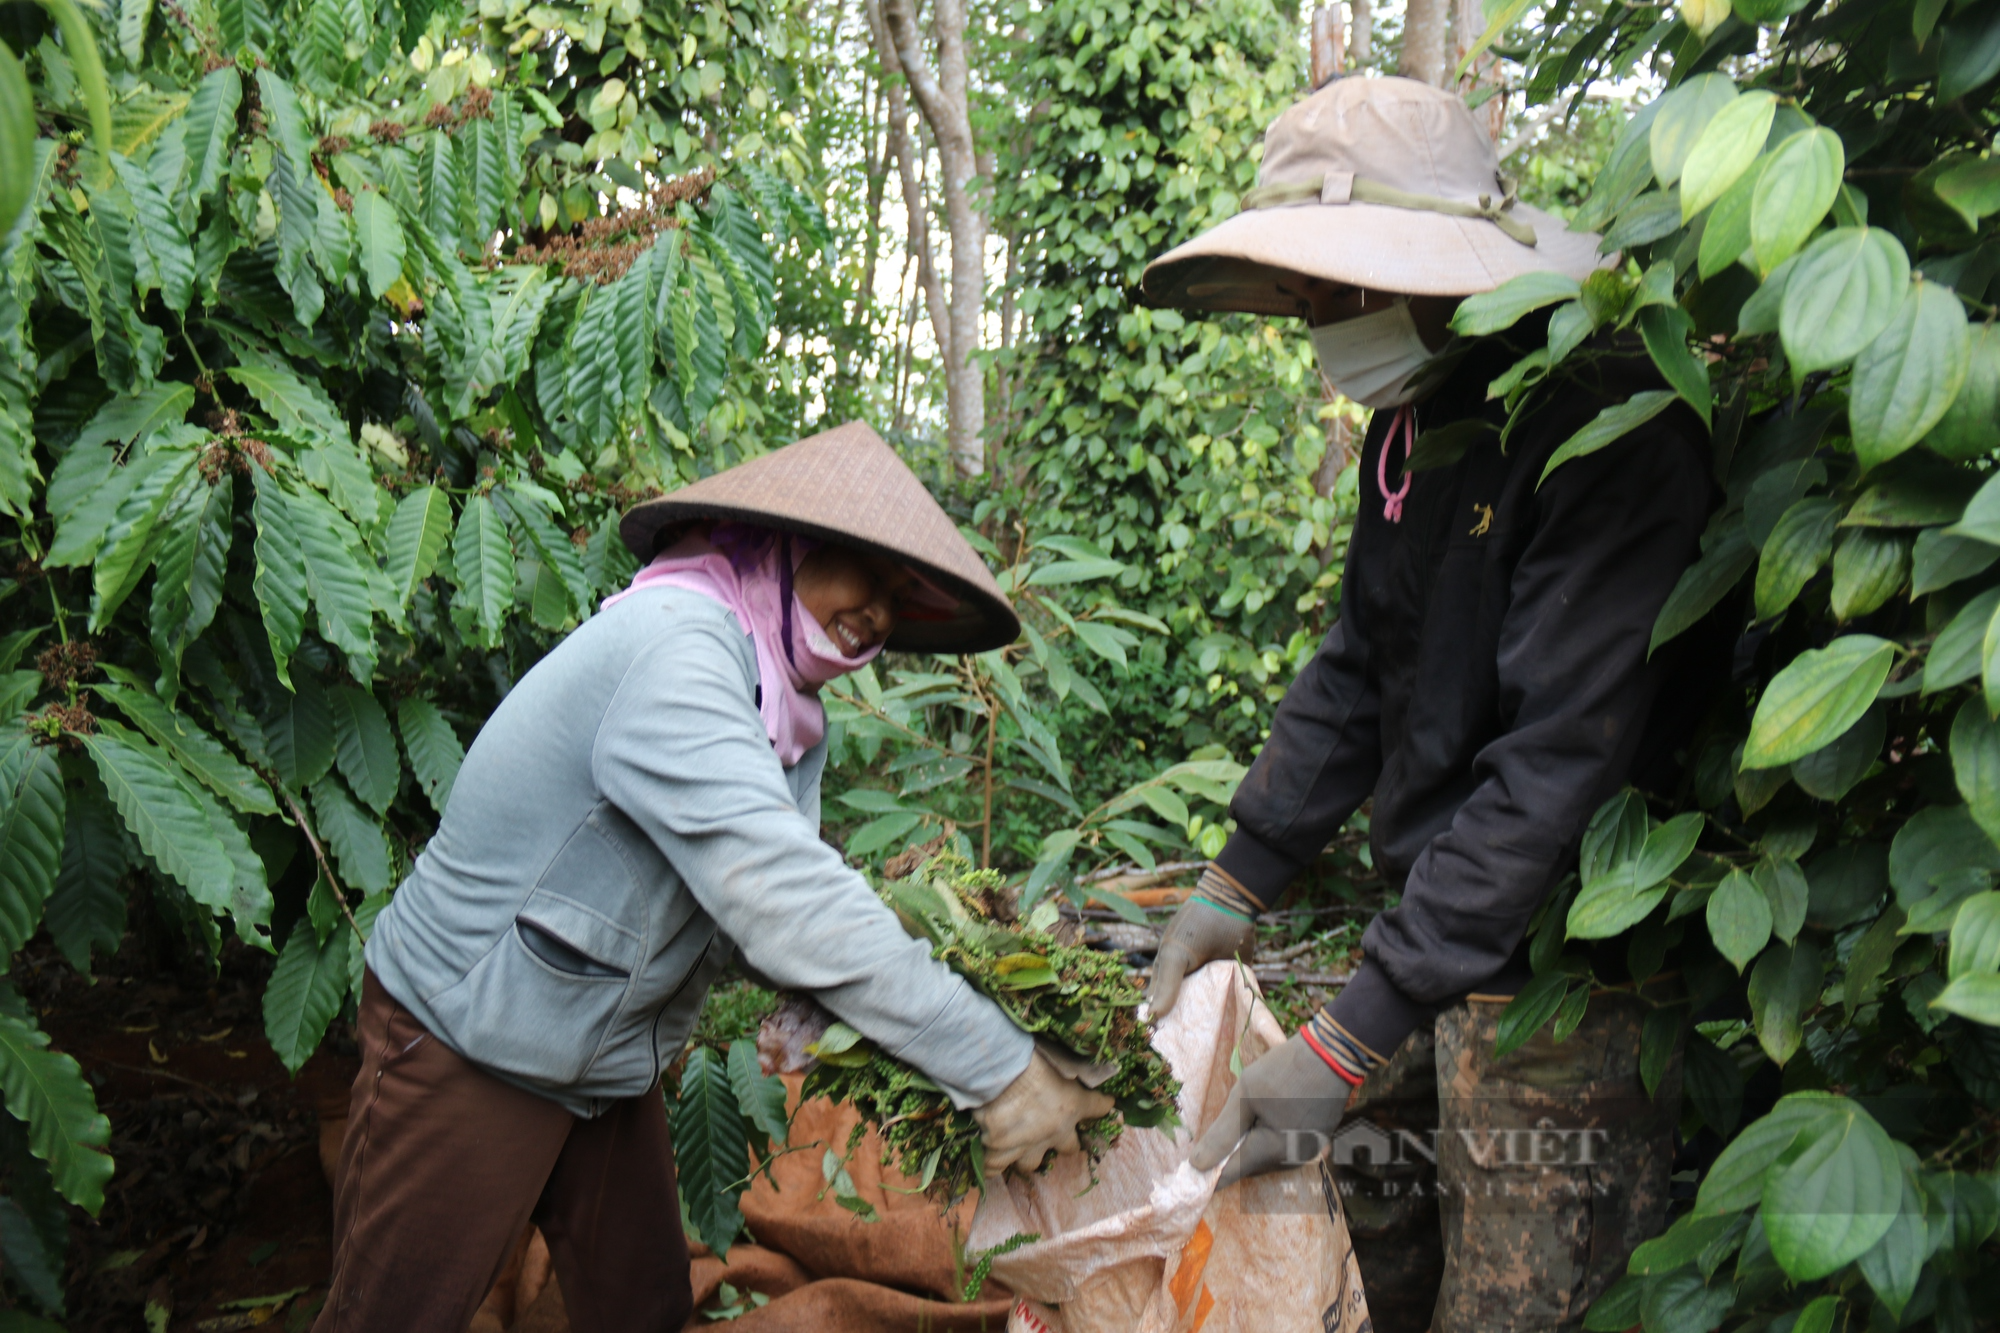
(1282, 1110)
(1199, 933)
(1038, 1111)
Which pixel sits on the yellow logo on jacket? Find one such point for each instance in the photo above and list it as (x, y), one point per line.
(1485, 522)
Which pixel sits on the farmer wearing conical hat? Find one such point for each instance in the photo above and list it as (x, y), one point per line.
(643, 804)
(1488, 685)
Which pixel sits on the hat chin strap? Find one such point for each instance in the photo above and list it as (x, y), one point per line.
(1341, 187)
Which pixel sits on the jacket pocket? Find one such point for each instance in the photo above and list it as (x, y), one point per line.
(545, 999)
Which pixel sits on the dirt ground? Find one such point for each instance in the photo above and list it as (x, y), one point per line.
(219, 1206)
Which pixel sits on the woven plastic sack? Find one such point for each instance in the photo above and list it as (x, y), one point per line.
(1152, 1246)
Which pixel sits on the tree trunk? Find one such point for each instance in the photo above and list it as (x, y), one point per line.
(942, 97)
(1467, 22)
(1360, 33)
(916, 204)
(1424, 26)
(878, 179)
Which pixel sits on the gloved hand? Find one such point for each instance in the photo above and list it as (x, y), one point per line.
(1283, 1109)
(1199, 933)
(1038, 1111)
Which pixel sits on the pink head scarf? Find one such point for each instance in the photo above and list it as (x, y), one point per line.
(749, 570)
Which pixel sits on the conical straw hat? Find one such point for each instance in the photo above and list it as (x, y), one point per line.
(1387, 184)
(847, 485)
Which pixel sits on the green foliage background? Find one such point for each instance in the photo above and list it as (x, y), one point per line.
(1806, 216)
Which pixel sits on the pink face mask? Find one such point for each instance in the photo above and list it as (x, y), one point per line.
(749, 570)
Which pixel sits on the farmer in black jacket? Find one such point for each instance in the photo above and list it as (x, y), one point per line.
(1488, 685)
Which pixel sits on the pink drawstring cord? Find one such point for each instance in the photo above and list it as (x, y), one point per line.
(1406, 423)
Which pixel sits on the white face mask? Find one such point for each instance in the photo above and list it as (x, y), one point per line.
(1371, 358)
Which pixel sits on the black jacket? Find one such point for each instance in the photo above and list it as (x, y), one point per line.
(1487, 682)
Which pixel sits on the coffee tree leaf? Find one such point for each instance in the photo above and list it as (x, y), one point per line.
(31, 836)
(1818, 696)
(298, 735)
(418, 533)
(299, 406)
(17, 141)
(1846, 288)
(306, 990)
(85, 913)
(340, 592)
(209, 136)
(355, 839)
(198, 752)
(171, 827)
(364, 747)
(280, 582)
(1797, 549)
(761, 1096)
(433, 747)
(711, 1148)
(1908, 376)
(132, 537)
(1727, 146)
(380, 234)
(1793, 194)
(48, 1093)
(483, 566)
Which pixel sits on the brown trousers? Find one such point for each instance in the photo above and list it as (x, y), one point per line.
(443, 1167)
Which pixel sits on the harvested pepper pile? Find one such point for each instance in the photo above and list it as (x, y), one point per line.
(1078, 998)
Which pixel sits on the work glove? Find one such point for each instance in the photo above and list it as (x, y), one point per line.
(1200, 933)
(1282, 1111)
(1039, 1111)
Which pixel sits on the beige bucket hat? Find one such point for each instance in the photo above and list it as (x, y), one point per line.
(846, 485)
(1387, 184)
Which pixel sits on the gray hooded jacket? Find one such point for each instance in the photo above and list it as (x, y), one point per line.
(621, 824)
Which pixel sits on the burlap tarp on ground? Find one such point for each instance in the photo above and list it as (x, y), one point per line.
(824, 1269)
(1147, 1247)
